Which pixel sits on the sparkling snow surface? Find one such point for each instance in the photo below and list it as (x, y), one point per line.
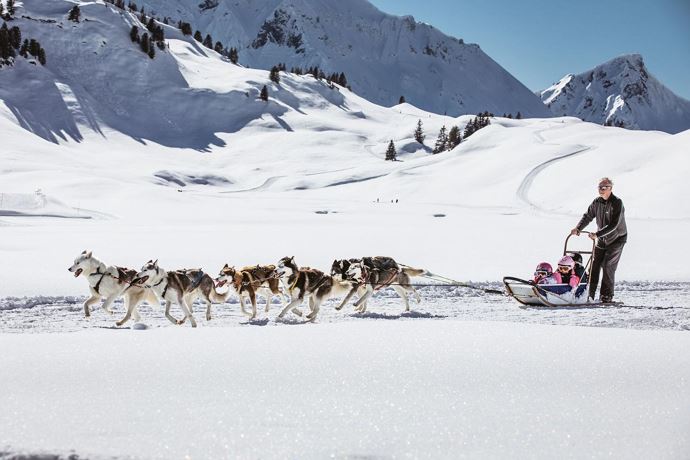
(176, 159)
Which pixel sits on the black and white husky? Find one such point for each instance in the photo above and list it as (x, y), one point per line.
(182, 287)
(305, 282)
(381, 274)
(110, 282)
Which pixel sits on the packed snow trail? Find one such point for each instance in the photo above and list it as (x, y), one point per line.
(648, 305)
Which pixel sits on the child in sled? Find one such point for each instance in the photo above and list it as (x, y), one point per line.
(566, 272)
(543, 274)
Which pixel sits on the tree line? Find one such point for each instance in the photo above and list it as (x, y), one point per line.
(446, 139)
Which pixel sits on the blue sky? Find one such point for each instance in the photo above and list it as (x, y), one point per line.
(540, 41)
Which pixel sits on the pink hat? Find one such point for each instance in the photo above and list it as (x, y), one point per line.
(567, 261)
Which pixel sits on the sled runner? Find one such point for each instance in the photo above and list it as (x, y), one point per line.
(529, 293)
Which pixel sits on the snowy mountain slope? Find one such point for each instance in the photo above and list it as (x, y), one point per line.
(383, 56)
(619, 92)
(271, 166)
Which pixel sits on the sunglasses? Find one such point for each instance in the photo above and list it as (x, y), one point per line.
(563, 268)
(541, 273)
(604, 187)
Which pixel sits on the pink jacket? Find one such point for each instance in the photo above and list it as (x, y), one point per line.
(573, 282)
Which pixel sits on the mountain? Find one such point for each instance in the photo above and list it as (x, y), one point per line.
(620, 92)
(383, 56)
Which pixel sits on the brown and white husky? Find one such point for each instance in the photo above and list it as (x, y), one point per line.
(110, 282)
(250, 281)
(305, 282)
(182, 287)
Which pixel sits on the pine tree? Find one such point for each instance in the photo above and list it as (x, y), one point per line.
(2, 10)
(134, 34)
(391, 154)
(152, 51)
(274, 75)
(74, 14)
(342, 80)
(208, 41)
(6, 50)
(518, 116)
(402, 100)
(145, 43)
(264, 94)
(419, 133)
(24, 50)
(234, 57)
(454, 138)
(442, 141)
(10, 8)
(15, 37)
(185, 28)
(34, 47)
(42, 56)
(151, 25)
(218, 48)
(197, 36)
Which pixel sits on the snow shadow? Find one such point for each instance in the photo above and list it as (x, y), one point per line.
(408, 314)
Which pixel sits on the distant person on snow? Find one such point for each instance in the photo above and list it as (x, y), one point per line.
(566, 272)
(611, 236)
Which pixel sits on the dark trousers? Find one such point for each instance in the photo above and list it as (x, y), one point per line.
(606, 258)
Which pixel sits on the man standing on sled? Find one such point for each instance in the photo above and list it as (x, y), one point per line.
(611, 236)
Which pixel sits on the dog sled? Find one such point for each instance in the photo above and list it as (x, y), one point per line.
(530, 294)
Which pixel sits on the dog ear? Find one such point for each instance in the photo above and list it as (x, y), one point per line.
(88, 254)
(155, 263)
(225, 267)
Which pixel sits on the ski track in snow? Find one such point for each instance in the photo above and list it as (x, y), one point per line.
(526, 184)
(648, 305)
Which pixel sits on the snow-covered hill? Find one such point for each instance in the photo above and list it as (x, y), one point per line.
(119, 142)
(620, 92)
(383, 56)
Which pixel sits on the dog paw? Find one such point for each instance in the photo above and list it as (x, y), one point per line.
(297, 311)
(180, 322)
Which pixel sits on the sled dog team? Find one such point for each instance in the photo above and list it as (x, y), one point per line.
(286, 279)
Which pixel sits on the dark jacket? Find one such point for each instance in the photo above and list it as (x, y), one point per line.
(610, 217)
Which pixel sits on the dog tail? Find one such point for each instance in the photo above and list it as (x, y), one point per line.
(215, 297)
(410, 271)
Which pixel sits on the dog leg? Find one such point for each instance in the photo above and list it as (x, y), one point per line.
(252, 298)
(130, 304)
(186, 310)
(362, 300)
(315, 304)
(244, 312)
(347, 298)
(169, 316)
(403, 295)
(87, 305)
(108, 302)
(208, 310)
(291, 305)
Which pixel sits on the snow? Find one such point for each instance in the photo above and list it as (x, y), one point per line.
(433, 71)
(402, 389)
(176, 159)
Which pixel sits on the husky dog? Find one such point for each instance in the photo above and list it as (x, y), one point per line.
(373, 263)
(182, 287)
(386, 275)
(110, 282)
(339, 270)
(257, 279)
(309, 282)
